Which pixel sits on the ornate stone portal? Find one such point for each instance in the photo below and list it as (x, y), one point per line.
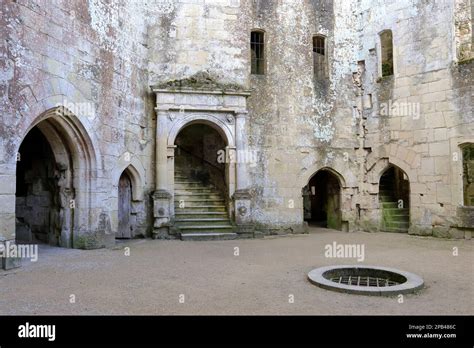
(200, 99)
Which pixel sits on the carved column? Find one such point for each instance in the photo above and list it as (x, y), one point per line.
(161, 196)
(242, 197)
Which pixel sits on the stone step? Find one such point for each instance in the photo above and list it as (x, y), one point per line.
(181, 204)
(204, 215)
(199, 196)
(397, 224)
(402, 218)
(396, 211)
(202, 208)
(193, 186)
(200, 214)
(211, 222)
(206, 228)
(188, 182)
(197, 202)
(390, 204)
(395, 230)
(195, 190)
(208, 236)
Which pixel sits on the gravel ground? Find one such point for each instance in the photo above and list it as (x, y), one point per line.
(258, 281)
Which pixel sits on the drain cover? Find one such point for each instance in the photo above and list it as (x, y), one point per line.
(365, 280)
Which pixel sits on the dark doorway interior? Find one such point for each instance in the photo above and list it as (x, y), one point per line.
(37, 195)
(322, 200)
(200, 155)
(394, 196)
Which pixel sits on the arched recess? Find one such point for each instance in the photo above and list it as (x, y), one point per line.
(322, 199)
(136, 172)
(311, 171)
(394, 198)
(225, 127)
(127, 197)
(208, 119)
(384, 163)
(72, 178)
(201, 155)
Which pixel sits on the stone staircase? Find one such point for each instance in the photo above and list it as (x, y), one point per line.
(394, 219)
(200, 209)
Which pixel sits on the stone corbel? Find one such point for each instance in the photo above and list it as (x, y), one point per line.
(170, 151)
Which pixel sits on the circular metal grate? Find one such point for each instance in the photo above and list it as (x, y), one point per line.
(364, 281)
(368, 280)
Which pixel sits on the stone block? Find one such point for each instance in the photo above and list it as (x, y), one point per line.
(434, 120)
(439, 149)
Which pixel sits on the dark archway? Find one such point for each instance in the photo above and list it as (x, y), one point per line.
(200, 187)
(322, 200)
(42, 183)
(67, 175)
(201, 155)
(394, 197)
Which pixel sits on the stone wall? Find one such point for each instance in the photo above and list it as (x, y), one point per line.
(90, 57)
(355, 123)
(423, 142)
(99, 58)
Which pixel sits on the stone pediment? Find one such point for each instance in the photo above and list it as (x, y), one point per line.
(201, 81)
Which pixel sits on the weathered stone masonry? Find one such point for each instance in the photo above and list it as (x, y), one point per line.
(95, 78)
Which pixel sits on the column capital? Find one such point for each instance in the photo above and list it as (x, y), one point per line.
(161, 112)
(241, 113)
(161, 194)
(242, 194)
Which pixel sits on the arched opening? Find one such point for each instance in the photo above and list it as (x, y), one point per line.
(125, 217)
(394, 196)
(322, 200)
(43, 191)
(200, 155)
(55, 177)
(201, 187)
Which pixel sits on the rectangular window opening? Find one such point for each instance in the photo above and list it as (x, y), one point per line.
(319, 57)
(257, 53)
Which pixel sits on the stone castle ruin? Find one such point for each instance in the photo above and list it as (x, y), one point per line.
(223, 119)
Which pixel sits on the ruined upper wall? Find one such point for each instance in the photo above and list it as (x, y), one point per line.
(186, 37)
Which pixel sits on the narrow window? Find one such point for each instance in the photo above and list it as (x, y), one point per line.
(319, 57)
(257, 53)
(468, 174)
(386, 44)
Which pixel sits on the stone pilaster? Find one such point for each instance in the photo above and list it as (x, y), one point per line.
(161, 196)
(241, 196)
